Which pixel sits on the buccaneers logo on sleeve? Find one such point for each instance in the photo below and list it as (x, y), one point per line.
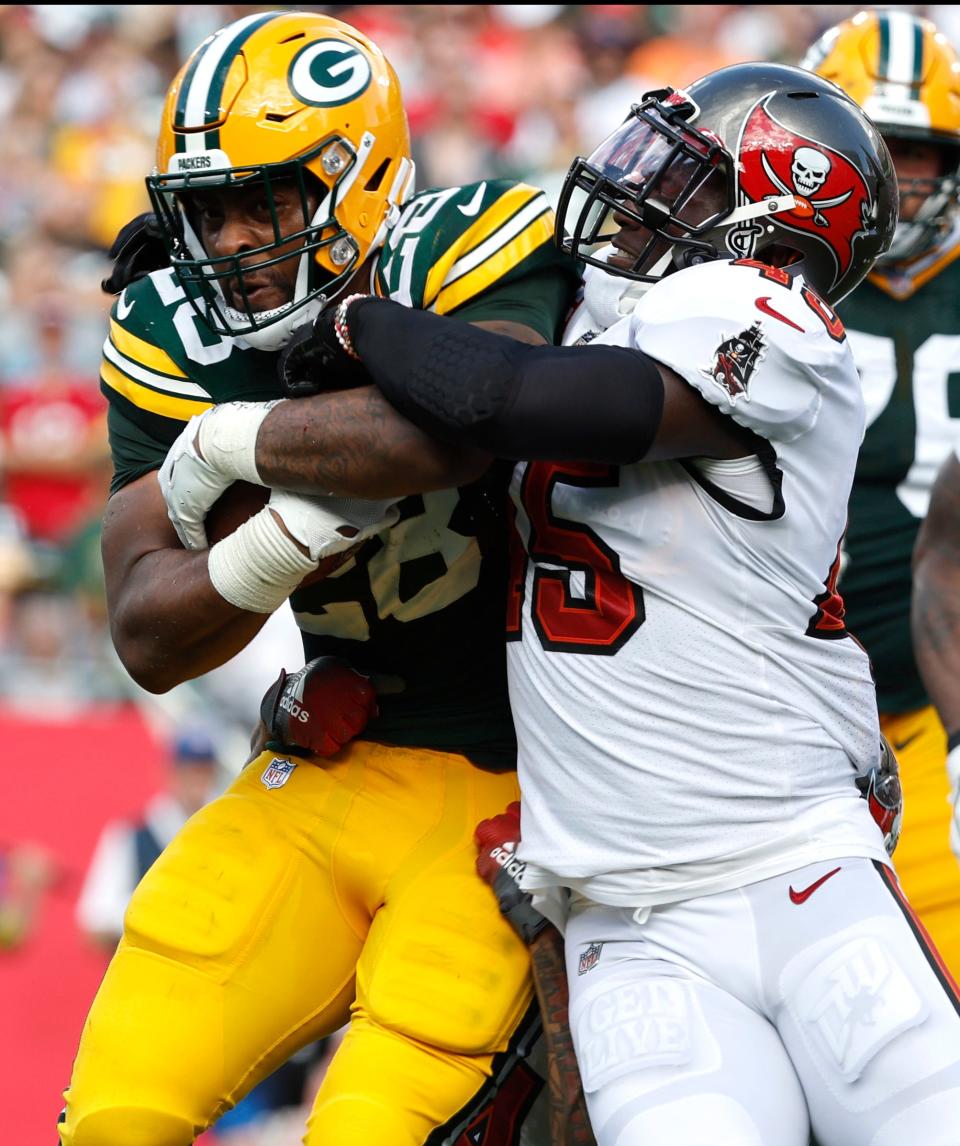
(735, 361)
(833, 201)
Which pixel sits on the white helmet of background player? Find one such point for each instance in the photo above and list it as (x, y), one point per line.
(760, 161)
(906, 77)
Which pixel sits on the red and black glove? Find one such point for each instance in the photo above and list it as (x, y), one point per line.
(320, 708)
(498, 866)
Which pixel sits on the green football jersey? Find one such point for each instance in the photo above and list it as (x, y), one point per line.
(421, 607)
(904, 331)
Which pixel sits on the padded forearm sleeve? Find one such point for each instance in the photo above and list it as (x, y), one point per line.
(466, 385)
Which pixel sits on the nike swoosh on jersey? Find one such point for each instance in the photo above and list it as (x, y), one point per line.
(803, 896)
(123, 310)
(763, 305)
(473, 206)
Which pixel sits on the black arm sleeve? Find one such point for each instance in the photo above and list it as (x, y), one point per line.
(470, 386)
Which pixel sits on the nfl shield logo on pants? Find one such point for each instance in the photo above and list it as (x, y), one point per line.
(277, 773)
(590, 958)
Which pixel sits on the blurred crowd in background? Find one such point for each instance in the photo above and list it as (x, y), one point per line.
(491, 90)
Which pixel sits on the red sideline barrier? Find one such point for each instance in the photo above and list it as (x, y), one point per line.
(59, 783)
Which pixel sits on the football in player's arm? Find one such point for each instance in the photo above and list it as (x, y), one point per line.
(936, 618)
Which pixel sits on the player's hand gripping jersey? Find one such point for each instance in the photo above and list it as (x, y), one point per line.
(671, 646)
(406, 607)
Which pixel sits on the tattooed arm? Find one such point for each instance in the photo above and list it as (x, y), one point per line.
(569, 1124)
(497, 865)
(936, 596)
(354, 443)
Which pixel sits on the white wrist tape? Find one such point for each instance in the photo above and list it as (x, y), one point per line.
(953, 771)
(258, 566)
(328, 525)
(953, 767)
(228, 438)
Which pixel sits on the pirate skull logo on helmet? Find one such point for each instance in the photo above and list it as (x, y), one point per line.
(809, 169)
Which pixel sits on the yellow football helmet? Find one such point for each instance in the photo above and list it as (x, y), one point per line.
(281, 96)
(906, 77)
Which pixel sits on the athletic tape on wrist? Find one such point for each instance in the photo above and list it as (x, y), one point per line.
(228, 438)
(953, 769)
(258, 566)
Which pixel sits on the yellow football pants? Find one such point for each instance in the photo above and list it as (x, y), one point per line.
(928, 870)
(349, 881)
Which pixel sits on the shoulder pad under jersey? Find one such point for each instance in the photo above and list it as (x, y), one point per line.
(756, 342)
(451, 245)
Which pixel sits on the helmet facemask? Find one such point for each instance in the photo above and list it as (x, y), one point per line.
(326, 254)
(655, 173)
(659, 173)
(938, 198)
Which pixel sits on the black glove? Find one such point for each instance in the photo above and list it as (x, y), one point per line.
(314, 361)
(320, 708)
(497, 865)
(137, 250)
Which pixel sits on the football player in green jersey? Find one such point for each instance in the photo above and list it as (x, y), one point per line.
(314, 891)
(904, 328)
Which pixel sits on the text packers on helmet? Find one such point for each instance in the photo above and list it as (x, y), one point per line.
(757, 161)
(280, 96)
(906, 77)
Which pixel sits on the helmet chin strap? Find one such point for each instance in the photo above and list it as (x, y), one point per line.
(278, 333)
(609, 296)
(278, 328)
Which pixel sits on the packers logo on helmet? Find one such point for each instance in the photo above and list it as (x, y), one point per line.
(281, 99)
(906, 77)
(329, 73)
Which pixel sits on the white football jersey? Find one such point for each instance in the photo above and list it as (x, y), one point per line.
(690, 709)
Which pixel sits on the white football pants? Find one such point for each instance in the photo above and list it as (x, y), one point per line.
(746, 1017)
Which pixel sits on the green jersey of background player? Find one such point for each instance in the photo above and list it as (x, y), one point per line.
(904, 328)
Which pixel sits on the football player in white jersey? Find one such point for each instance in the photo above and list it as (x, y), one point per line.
(692, 714)
(691, 711)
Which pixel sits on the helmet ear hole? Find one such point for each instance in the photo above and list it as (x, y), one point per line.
(373, 183)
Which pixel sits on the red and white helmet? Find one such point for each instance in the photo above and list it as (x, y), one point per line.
(881, 788)
(760, 161)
